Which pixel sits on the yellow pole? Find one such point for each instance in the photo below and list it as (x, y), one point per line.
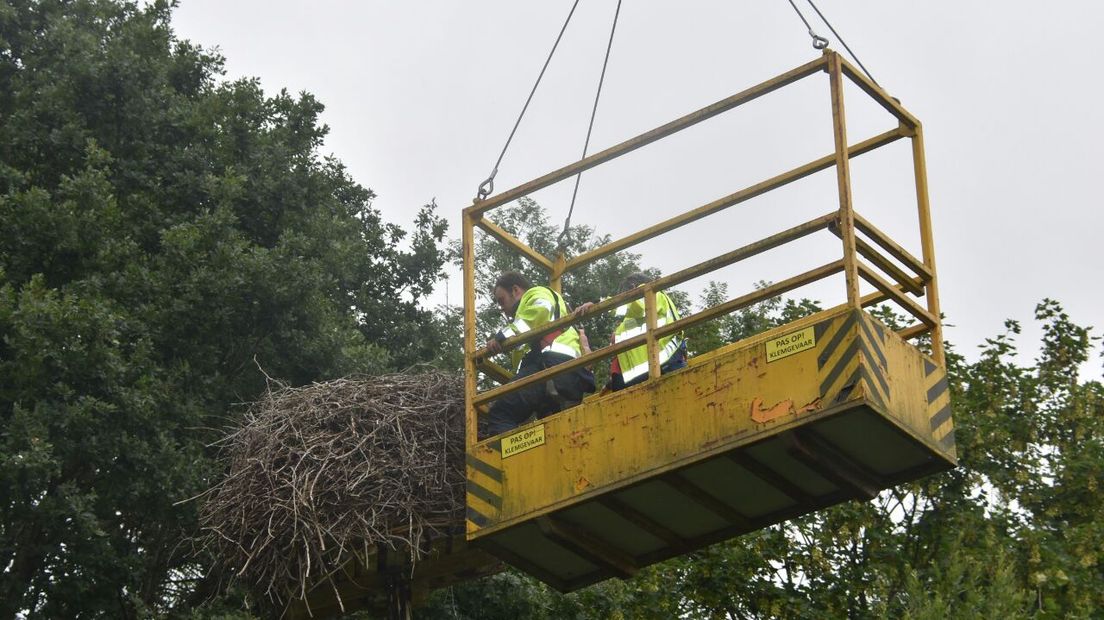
(471, 424)
(653, 345)
(555, 279)
(920, 170)
(843, 177)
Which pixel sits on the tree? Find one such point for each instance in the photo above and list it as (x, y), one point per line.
(162, 234)
(745, 322)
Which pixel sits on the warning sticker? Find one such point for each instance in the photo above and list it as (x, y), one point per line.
(785, 346)
(522, 440)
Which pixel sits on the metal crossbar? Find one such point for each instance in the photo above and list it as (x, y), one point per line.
(897, 282)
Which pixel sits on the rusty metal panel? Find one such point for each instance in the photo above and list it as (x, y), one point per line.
(731, 397)
(778, 411)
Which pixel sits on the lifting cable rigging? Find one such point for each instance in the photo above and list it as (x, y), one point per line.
(487, 186)
(820, 42)
(561, 241)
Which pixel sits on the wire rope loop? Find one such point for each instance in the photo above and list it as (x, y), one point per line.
(487, 186)
(819, 42)
(838, 37)
(562, 239)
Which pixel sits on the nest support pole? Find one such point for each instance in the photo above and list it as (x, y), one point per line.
(399, 595)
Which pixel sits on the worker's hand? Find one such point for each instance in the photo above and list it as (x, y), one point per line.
(493, 347)
(582, 309)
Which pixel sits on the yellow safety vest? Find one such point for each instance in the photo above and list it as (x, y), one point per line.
(537, 307)
(634, 362)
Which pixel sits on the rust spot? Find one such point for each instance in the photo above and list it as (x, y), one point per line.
(581, 484)
(762, 414)
(578, 439)
(711, 390)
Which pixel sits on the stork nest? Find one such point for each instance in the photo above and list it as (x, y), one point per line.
(319, 474)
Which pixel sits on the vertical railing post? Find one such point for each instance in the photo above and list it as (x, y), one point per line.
(555, 279)
(931, 292)
(843, 178)
(652, 321)
(471, 422)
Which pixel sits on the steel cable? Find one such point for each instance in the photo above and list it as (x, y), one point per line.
(487, 186)
(842, 42)
(561, 241)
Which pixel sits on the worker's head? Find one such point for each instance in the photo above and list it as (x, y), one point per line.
(507, 292)
(634, 280)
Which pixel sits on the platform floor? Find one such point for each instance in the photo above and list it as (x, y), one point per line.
(852, 452)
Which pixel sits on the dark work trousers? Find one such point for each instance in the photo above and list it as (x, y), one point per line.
(678, 360)
(513, 409)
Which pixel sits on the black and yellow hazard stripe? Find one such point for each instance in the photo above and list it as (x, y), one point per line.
(939, 405)
(852, 362)
(484, 491)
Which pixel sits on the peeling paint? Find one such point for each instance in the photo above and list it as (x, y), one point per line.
(581, 483)
(811, 406)
(762, 414)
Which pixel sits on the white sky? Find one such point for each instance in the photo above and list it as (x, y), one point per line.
(420, 97)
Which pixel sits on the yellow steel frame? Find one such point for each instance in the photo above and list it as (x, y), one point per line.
(882, 396)
(893, 283)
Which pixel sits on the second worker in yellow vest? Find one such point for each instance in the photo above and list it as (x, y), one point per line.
(631, 367)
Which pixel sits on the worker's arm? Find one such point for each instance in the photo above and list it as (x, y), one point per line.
(632, 310)
(584, 341)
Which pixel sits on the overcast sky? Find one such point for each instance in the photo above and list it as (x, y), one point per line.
(420, 97)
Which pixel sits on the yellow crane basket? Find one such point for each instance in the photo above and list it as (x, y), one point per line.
(832, 407)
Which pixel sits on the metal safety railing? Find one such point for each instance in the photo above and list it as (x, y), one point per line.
(901, 285)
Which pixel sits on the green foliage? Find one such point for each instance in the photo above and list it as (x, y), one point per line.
(161, 235)
(745, 322)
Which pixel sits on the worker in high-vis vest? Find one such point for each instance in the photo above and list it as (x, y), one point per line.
(529, 308)
(631, 367)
